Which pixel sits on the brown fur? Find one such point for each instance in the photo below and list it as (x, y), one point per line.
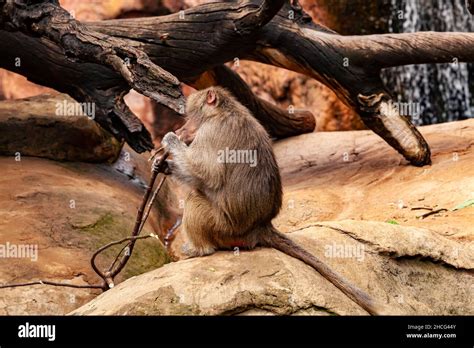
(233, 204)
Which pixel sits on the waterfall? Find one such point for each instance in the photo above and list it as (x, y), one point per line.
(442, 92)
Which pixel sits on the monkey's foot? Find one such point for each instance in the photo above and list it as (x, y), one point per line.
(171, 234)
(192, 251)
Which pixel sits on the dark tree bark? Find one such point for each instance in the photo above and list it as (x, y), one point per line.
(99, 62)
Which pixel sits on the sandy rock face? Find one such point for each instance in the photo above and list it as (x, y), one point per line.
(66, 211)
(53, 127)
(380, 258)
(356, 175)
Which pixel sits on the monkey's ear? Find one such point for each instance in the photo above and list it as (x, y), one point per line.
(211, 97)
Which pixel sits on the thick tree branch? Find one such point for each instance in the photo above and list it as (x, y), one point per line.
(207, 37)
(79, 45)
(45, 63)
(79, 42)
(389, 50)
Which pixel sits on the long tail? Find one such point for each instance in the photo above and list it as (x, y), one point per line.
(277, 240)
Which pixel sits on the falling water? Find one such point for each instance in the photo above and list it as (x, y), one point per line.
(442, 91)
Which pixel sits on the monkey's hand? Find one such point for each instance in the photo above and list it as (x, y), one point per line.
(171, 142)
(181, 166)
(169, 167)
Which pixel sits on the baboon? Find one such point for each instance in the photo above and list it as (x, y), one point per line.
(233, 201)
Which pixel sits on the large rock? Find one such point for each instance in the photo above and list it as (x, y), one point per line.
(356, 175)
(67, 210)
(54, 127)
(415, 265)
(412, 270)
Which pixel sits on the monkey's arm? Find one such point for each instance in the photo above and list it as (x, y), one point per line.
(187, 165)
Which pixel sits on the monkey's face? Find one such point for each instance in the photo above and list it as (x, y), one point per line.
(200, 106)
(188, 131)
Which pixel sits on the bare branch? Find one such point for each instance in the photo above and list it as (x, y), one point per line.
(47, 282)
(108, 276)
(145, 208)
(158, 167)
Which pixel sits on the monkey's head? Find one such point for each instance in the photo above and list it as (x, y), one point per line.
(200, 107)
(207, 103)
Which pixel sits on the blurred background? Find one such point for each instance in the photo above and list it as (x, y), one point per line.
(442, 93)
